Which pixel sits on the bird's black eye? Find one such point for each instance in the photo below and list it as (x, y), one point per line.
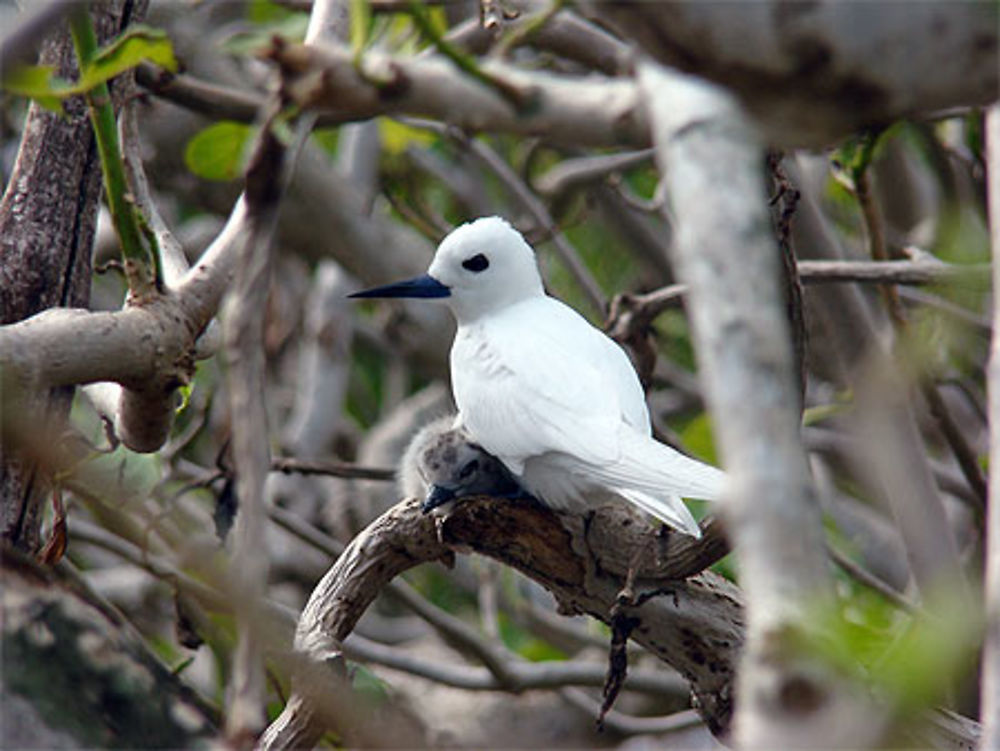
(477, 263)
(465, 472)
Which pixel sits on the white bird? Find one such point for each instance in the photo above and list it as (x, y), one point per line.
(552, 397)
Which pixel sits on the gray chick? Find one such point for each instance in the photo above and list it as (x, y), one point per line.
(440, 465)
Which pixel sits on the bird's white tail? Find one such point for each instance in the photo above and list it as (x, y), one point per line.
(670, 510)
(652, 476)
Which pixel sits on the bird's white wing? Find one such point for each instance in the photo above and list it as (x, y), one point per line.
(536, 379)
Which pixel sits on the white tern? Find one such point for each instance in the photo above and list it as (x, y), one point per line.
(538, 387)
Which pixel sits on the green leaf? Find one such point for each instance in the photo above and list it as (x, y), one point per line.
(267, 12)
(396, 136)
(37, 82)
(216, 153)
(136, 45)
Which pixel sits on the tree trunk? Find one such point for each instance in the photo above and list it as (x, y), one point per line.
(45, 256)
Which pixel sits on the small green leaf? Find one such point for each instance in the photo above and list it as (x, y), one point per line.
(185, 393)
(216, 153)
(136, 45)
(267, 12)
(396, 136)
(131, 48)
(37, 82)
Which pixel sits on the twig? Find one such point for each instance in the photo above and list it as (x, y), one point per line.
(973, 276)
(871, 581)
(522, 675)
(622, 626)
(517, 97)
(266, 179)
(597, 110)
(964, 453)
(573, 173)
(173, 261)
(141, 269)
(625, 724)
(290, 465)
(629, 313)
(981, 324)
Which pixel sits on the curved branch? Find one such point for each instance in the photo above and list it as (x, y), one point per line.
(695, 625)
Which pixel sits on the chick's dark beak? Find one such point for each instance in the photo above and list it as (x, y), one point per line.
(437, 496)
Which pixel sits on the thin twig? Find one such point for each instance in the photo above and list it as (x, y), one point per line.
(573, 173)
(625, 724)
(974, 275)
(865, 577)
(966, 456)
(521, 675)
(291, 465)
(517, 97)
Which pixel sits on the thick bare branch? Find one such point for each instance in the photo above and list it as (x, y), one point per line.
(712, 158)
(594, 111)
(694, 625)
(814, 73)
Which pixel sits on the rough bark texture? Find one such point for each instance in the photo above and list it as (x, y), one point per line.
(690, 620)
(47, 220)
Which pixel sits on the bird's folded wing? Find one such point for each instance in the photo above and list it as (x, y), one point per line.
(526, 393)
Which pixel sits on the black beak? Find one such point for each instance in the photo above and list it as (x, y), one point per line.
(424, 286)
(438, 496)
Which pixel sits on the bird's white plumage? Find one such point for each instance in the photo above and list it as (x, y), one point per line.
(552, 397)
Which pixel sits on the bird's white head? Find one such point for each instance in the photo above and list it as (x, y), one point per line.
(479, 268)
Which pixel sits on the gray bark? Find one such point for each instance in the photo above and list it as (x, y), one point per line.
(47, 219)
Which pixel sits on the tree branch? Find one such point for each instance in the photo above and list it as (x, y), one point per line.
(693, 625)
(595, 111)
(838, 68)
(712, 158)
(990, 689)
